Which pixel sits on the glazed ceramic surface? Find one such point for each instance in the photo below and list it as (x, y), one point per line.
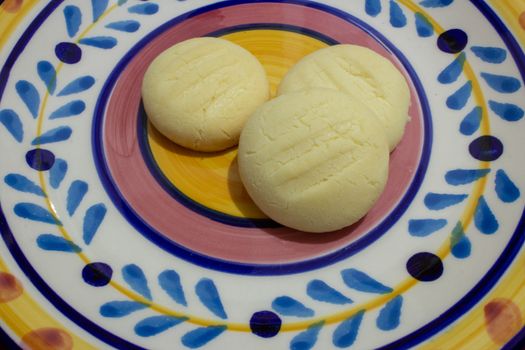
(113, 237)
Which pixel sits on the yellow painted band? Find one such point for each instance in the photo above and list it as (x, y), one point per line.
(512, 11)
(23, 315)
(9, 21)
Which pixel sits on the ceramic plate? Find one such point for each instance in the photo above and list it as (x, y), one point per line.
(112, 237)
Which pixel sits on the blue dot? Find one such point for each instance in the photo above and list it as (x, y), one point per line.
(68, 52)
(425, 267)
(486, 148)
(452, 41)
(40, 159)
(97, 274)
(265, 324)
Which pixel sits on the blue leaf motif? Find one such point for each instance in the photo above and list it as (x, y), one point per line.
(373, 7)
(484, 219)
(507, 111)
(471, 122)
(23, 184)
(287, 306)
(157, 324)
(424, 27)
(460, 245)
(144, 9)
(452, 72)
(306, 340)
(116, 309)
(76, 192)
(70, 109)
(319, 290)
(459, 99)
(47, 73)
(360, 281)
(11, 121)
(439, 201)
(129, 26)
(92, 220)
(57, 134)
(57, 173)
(73, 18)
(169, 280)
(506, 190)
(465, 176)
(201, 336)
(102, 42)
(136, 279)
(121, 2)
(209, 297)
(56, 243)
(390, 315)
(462, 248)
(425, 227)
(78, 85)
(29, 95)
(490, 54)
(436, 3)
(98, 6)
(397, 17)
(501, 83)
(346, 333)
(35, 212)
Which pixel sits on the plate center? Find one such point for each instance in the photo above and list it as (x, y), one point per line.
(193, 204)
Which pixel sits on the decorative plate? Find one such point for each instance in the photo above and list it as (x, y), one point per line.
(113, 237)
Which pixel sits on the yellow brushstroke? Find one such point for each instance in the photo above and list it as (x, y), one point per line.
(23, 315)
(212, 179)
(10, 21)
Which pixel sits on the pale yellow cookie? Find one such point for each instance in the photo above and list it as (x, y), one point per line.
(200, 92)
(315, 160)
(360, 72)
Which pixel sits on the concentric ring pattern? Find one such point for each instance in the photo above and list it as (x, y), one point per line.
(114, 237)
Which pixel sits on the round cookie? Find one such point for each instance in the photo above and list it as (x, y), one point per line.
(316, 160)
(200, 92)
(360, 72)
